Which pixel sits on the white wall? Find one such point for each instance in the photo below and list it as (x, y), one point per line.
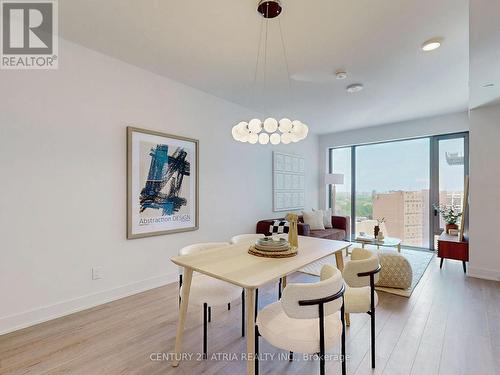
(63, 181)
(484, 192)
(452, 123)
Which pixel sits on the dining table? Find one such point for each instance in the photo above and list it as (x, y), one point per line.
(235, 265)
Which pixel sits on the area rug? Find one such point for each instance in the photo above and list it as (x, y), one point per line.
(419, 261)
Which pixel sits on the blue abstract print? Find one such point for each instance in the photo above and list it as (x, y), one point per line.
(164, 181)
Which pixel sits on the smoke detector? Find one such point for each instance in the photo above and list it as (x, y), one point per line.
(340, 74)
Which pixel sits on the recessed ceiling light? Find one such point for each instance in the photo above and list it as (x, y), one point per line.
(431, 44)
(488, 85)
(355, 87)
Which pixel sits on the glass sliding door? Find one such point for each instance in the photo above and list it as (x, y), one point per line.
(392, 183)
(451, 155)
(340, 162)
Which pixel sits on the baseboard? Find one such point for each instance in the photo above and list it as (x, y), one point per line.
(39, 315)
(483, 273)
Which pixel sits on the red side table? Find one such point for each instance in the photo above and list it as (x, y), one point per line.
(450, 247)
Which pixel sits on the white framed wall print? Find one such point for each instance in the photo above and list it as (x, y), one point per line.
(288, 182)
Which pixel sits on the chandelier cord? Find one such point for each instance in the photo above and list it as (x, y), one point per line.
(286, 56)
(258, 54)
(265, 46)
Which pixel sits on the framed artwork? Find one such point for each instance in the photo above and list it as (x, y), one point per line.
(288, 182)
(162, 183)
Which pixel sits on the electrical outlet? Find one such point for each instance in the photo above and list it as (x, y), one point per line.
(96, 273)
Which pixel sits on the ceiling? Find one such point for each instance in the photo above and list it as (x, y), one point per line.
(212, 45)
(484, 52)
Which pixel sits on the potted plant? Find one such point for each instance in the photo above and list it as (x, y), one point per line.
(376, 229)
(450, 215)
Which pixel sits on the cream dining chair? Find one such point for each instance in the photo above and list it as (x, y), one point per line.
(306, 319)
(207, 291)
(246, 238)
(360, 275)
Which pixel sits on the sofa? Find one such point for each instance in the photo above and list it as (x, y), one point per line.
(340, 231)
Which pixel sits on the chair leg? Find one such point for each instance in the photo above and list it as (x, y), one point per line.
(205, 316)
(321, 339)
(279, 289)
(243, 313)
(210, 314)
(256, 302)
(372, 316)
(229, 306)
(342, 318)
(180, 284)
(256, 350)
(441, 263)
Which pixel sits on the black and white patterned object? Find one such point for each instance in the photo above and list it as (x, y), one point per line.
(279, 227)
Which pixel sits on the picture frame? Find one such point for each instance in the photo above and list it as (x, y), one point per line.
(288, 182)
(162, 183)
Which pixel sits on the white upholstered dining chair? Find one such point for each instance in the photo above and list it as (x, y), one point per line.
(360, 275)
(207, 291)
(306, 319)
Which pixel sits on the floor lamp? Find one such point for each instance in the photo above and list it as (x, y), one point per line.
(334, 179)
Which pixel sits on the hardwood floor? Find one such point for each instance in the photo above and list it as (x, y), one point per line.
(450, 325)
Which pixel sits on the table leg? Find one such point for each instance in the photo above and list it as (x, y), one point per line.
(250, 305)
(362, 245)
(339, 259)
(186, 286)
(399, 247)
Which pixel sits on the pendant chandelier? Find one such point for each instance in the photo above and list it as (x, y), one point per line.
(270, 130)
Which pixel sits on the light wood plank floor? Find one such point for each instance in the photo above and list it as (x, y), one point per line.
(450, 325)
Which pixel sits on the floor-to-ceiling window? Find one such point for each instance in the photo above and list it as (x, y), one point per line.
(392, 183)
(399, 181)
(341, 163)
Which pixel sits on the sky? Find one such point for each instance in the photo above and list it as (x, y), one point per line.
(402, 165)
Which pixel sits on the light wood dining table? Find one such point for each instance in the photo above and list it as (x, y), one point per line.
(234, 265)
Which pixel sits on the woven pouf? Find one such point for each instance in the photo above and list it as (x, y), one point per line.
(395, 270)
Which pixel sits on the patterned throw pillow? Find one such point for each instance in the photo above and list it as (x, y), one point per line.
(279, 227)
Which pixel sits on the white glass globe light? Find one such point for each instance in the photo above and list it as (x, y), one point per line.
(253, 138)
(297, 128)
(286, 138)
(296, 124)
(270, 125)
(235, 132)
(244, 137)
(285, 125)
(305, 130)
(255, 126)
(263, 138)
(242, 131)
(275, 138)
(295, 137)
